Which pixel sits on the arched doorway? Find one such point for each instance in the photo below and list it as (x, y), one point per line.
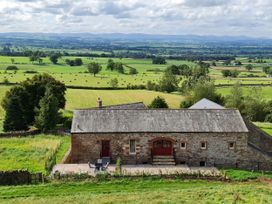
(162, 147)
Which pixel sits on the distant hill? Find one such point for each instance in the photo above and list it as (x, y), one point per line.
(87, 40)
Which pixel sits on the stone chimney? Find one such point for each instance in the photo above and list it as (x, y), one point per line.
(99, 103)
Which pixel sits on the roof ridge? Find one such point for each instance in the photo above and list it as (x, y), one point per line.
(202, 109)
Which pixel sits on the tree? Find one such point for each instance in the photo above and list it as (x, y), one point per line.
(249, 67)
(14, 117)
(114, 83)
(110, 65)
(94, 68)
(158, 60)
(168, 83)
(32, 90)
(12, 60)
(47, 113)
(205, 89)
(158, 102)
(78, 61)
(40, 60)
(236, 97)
(133, 71)
(54, 57)
(255, 107)
(119, 67)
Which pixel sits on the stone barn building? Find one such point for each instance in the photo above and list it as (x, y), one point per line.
(204, 135)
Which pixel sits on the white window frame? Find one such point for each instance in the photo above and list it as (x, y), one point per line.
(185, 146)
(233, 145)
(132, 153)
(205, 145)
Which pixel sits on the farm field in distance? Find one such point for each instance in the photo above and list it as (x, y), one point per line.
(78, 75)
(140, 191)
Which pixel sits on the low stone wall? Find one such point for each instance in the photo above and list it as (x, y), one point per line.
(20, 133)
(20, 177)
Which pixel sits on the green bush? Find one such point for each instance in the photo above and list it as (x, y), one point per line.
(12, 67)
(118, 170)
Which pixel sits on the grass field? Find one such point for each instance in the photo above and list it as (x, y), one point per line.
(266, 91)
(77, 75)
(140, 191)
(31, 152)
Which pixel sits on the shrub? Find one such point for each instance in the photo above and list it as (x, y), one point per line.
(185, 104)
(158, 102)
(158, 60)
(268, 118)
(118, 170)
(50, 162)
(30, 72)
(12, 67)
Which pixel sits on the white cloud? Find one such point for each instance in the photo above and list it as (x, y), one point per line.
(203, 17)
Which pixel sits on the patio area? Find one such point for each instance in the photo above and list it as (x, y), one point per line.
(134, 170)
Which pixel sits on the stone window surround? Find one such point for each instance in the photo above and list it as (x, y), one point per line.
(185, 145)
(203, 147)
(231, 147)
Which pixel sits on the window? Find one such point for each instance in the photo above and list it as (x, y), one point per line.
(202, 163)
(183, 162)
(132, 146)
(231, 145)
(183, 145)
(203, 145)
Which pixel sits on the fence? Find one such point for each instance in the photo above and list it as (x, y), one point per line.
(20, 177)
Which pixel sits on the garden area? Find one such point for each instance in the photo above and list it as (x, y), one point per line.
(32, 152)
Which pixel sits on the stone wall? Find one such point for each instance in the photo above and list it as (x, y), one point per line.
(87, 147)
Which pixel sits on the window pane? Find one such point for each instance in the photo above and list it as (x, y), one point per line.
(132, 146)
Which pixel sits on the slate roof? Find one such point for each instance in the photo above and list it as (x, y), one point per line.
(137, 105)
(157, 120)
(206, 104)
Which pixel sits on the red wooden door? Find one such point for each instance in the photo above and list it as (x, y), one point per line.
(162, 147)
(105, 150)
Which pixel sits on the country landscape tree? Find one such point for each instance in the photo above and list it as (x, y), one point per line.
(30, 93)
(47, 114)
(54, 57)
(168, 83)
(94, 68)
(15, 118)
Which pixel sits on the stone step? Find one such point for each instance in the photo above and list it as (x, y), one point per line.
(164, 160)
(163, 157)
(163, 163)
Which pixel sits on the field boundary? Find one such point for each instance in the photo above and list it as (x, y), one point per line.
(20, 133)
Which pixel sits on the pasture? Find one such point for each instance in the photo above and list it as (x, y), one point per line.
(140, 191)
(81, 98)
(31, 152)
(79, 76)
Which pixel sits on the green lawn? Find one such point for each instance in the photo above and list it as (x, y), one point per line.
(31, 152)
(140, 191)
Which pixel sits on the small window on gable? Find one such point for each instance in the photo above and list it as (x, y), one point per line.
(183, 145)
(203, 145)
(132, 146)
(231, 145)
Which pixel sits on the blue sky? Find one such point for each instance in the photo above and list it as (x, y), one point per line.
(200, 17)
